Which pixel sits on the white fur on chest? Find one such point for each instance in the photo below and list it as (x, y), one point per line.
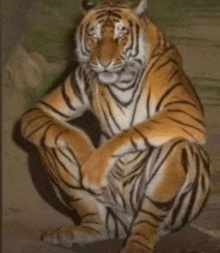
(115, 115)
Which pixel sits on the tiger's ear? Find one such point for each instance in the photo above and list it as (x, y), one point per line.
(87, 5)
(139, 8)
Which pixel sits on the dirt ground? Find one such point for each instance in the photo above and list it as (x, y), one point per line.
(29, 202)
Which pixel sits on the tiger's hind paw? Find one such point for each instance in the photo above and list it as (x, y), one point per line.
(70, 236)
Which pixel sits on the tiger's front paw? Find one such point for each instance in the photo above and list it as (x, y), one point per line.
(95, 170)
(71, 236)
(94, 173)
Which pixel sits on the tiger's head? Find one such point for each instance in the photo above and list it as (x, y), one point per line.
(111, 40)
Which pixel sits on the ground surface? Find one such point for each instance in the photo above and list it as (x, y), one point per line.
(29, 205)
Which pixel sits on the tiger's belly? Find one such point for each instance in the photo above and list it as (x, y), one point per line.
(126, 183)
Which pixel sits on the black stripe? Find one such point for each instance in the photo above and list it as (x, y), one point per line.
(101, 15)
(107, 136)
(203, 204)
(206, 164)
(204, 153)
(166, 94)
(135, 107)
(78, 165)
(58, 174)
(111, 115)
(148, 103)
(42, 139)
(94, 230)
(119, 168)
(154, 216)
(158, 154)
(160, 55)
(66, 98)
(137, 167)
(128, 181)
(65, 155)
(141, 244)
(164, 64)
(116, 174)
(133, 143)
(88, 214)
(111, 5)
(147, 144)
(193, 137)
(75, 200)
(90, 222)
(194, 192)
(178, 207)
(191, 150)
(44, 153)
(54, 110)
(58, 136)
(75, 86)
(50, 167)
(164, 206)
(120, 221)
(146, 221)
(184, 124)
(181, 102)
(32, 120)
(125, 88)
(203, 183)
(132, 37)
(185, 160)
(116, 230)
(137, 82)
(38, 128)
(188, 114)
(137, 41)
(120, 107)
(107, 121)
(135, 158)
(62, 165)
(125, 104)
(112, 191)
(131, 193)
(82, 41)
(123, 201)
(172, 76)
(164, 159)
(142, 235)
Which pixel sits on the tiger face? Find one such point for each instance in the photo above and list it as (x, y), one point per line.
(111, 40)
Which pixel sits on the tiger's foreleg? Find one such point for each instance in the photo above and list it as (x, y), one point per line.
(64, 169)
(63, 150)
(165, 175)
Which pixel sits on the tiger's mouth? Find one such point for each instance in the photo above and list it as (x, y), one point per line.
(126, 75)
(108, 77)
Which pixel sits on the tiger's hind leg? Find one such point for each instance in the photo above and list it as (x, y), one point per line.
(173, 169)
(65, 172)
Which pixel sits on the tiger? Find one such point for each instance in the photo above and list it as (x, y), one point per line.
(150, 174)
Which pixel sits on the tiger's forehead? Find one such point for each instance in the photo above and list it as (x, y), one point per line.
(110, 14)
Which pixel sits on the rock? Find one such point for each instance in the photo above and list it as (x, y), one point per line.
(26, 70)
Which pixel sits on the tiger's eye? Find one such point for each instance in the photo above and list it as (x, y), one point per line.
(123, 31)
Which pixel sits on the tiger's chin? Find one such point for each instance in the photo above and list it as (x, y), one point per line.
(108, 77)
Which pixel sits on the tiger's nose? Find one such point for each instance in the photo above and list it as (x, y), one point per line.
(105, 63)
(107, 53)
